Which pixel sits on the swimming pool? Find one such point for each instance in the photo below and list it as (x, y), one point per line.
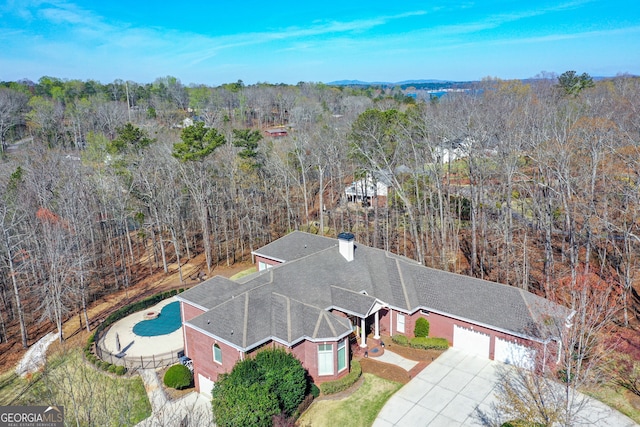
(168, 321)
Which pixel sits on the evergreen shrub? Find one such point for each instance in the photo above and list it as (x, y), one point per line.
(422, 327)
(178, 377)
(400, 340)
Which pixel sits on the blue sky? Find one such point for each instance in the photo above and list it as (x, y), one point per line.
(215, 42)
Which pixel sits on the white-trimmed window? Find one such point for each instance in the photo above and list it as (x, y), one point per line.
(400, 323)
(325, 359)
(217, 354)
(342, 355)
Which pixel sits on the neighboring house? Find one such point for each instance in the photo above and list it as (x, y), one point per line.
(450, 151)
(369, 191)
(276, 132)
(320, 292)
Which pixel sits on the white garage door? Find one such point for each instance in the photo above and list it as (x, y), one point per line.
(206, 385)
(471, 341)
(514, 354)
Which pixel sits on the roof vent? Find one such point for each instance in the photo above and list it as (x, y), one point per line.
(346, 244)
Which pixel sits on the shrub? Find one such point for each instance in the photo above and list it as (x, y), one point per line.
(273, 382)
(332, 387)
(104, 365)
(521, 423)
(242, 405)
(429, 343)
(178, 377)
(120, 370)
(284, 374)
(400, 340)
(112, 369)
(315, 391)
(422, 327)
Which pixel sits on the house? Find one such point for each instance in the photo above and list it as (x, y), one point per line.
(450, 151)
(276, 132)
(369, 191)
(314, 294)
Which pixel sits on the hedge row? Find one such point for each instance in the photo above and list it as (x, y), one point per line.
(101, 364)
(332, 387)
(400, 340)
(429, 343)
(114, 317)
(422, 343)
(136, 306)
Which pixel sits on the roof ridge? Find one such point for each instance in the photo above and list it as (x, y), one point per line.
(246, 320)
(402, 284)
(325, 314)
(288, 300)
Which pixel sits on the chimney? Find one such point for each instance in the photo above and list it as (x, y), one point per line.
(346, 244)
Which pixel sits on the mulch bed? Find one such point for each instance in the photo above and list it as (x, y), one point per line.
(395, 373)
(384, 370)
(172, 393)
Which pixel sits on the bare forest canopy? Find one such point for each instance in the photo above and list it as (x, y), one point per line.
(533, 184)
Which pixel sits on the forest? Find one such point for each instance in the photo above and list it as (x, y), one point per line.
(532, 184)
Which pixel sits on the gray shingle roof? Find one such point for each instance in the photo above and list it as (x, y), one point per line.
(352, 302)
(296, 245)
(290, 302)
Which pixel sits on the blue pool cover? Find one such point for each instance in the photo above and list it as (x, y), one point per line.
(167, 322)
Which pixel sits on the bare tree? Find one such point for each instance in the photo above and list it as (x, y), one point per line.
(13, 106)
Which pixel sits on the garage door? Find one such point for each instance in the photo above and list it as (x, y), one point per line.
(471, 341)
(514, 354)
(206, 385)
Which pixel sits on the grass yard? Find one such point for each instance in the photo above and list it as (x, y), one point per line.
(358, 410)
(620, 399)
(243, 273)
(11, 386)
(89, 396)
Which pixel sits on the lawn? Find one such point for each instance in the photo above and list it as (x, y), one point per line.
(358, 410)
(243, 273)
(618, 398)
(89, 396)
(11, 386)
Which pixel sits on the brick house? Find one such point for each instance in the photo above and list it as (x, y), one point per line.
(313, 294)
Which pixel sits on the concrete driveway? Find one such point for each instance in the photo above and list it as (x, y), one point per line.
(448, 391)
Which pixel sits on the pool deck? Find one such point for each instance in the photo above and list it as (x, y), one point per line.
(135, 345)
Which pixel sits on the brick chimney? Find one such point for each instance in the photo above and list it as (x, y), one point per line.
(346, 244)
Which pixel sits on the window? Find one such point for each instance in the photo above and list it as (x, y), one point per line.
(217, 353)
(342, 355)
(325, 359)
(400, 323)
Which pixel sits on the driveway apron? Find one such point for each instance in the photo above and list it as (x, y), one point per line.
(448, 391)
